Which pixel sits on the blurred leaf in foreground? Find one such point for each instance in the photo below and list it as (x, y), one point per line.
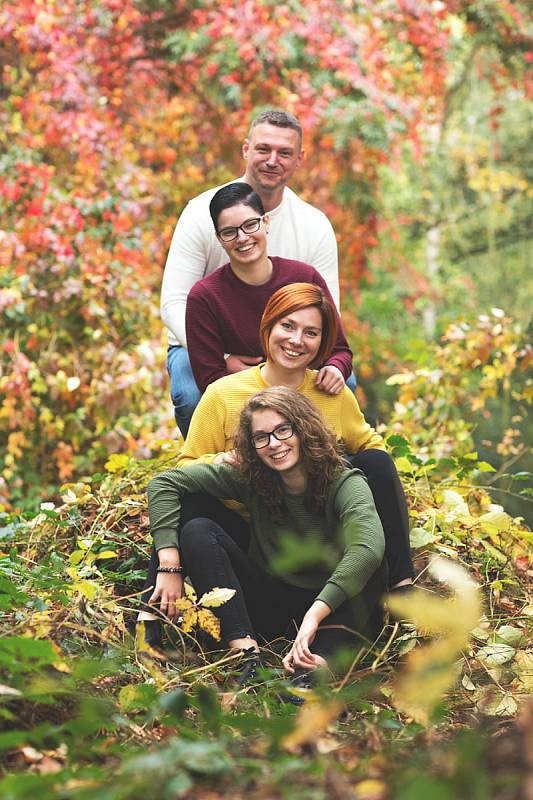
(431, 671)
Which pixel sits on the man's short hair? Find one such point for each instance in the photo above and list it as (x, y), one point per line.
(281, 119)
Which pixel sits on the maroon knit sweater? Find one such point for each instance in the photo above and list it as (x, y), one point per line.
(223, 316)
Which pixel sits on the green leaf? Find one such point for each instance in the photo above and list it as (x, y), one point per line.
(484, 466)
(419, 537)
(494, 552)
(493, 655)
(403, 464)
(509, 634)
(20, 654)
(136, 697)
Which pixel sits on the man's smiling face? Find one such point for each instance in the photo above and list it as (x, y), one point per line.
(272, 155)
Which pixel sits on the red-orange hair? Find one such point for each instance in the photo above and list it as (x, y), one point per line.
(294, 297)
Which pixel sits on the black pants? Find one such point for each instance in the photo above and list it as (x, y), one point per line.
(265, 607)
(389, 499)
(194, 506)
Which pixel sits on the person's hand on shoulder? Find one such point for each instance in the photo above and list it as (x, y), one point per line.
(226, 458)
(330, 380)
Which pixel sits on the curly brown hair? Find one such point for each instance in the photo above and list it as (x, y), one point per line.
(320, 452)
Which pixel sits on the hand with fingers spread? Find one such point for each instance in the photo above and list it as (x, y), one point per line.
(169, 585)
(300, 655)
(330, 380)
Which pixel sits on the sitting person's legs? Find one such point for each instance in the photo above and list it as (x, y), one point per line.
(183, 389)
(212, 559)
(391, 506)
(355, 623)
(197, 505)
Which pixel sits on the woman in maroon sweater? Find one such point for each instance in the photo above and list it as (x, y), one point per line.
(224, 309)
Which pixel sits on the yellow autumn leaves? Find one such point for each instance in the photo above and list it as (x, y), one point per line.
(196, 613)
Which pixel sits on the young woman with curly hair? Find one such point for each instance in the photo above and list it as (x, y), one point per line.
(290, 475)
(297, 331)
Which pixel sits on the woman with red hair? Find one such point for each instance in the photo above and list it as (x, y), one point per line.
(297, 329)
(224, 308)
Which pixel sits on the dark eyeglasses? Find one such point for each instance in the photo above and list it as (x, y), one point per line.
(249, 226)
(281, 432)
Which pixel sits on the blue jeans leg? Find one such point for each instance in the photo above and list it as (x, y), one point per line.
(351, 383)
(184, 392)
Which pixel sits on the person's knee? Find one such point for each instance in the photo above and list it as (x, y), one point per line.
(374, 462)
(195, 535)
(183, 388)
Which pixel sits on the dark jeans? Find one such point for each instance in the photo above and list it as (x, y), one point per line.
(265, 607)
(194, 506)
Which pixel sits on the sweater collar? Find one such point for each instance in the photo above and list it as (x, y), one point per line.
(307, 383)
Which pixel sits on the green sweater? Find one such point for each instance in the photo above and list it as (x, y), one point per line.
(349, 534)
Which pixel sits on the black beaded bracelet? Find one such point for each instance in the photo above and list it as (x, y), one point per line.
(173, 570)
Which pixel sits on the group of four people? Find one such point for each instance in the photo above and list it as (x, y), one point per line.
(275, 427)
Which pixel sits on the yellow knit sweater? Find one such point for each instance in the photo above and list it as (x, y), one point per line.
(217, 415)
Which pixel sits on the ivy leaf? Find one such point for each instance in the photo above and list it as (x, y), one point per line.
(509, 634)
(493, 655)
(419, 537)
(497, 704)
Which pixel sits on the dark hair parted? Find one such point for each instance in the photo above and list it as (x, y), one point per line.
(320, 453)
(234, 194)
(293, 297)
(278, 118)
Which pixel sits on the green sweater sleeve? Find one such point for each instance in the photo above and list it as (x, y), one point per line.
(362, 538)
(166, 490)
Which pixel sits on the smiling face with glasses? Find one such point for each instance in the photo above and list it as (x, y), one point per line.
(242, 234)
(275, 441)
(280, 433)
(248, 226)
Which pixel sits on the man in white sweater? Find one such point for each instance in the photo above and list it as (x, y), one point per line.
(272, 152)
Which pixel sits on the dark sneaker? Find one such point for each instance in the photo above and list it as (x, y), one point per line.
(302, 680)
(149, 636)
(247, 670)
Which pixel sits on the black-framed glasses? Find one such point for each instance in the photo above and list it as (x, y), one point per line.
(249, 226)
(280, 432)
